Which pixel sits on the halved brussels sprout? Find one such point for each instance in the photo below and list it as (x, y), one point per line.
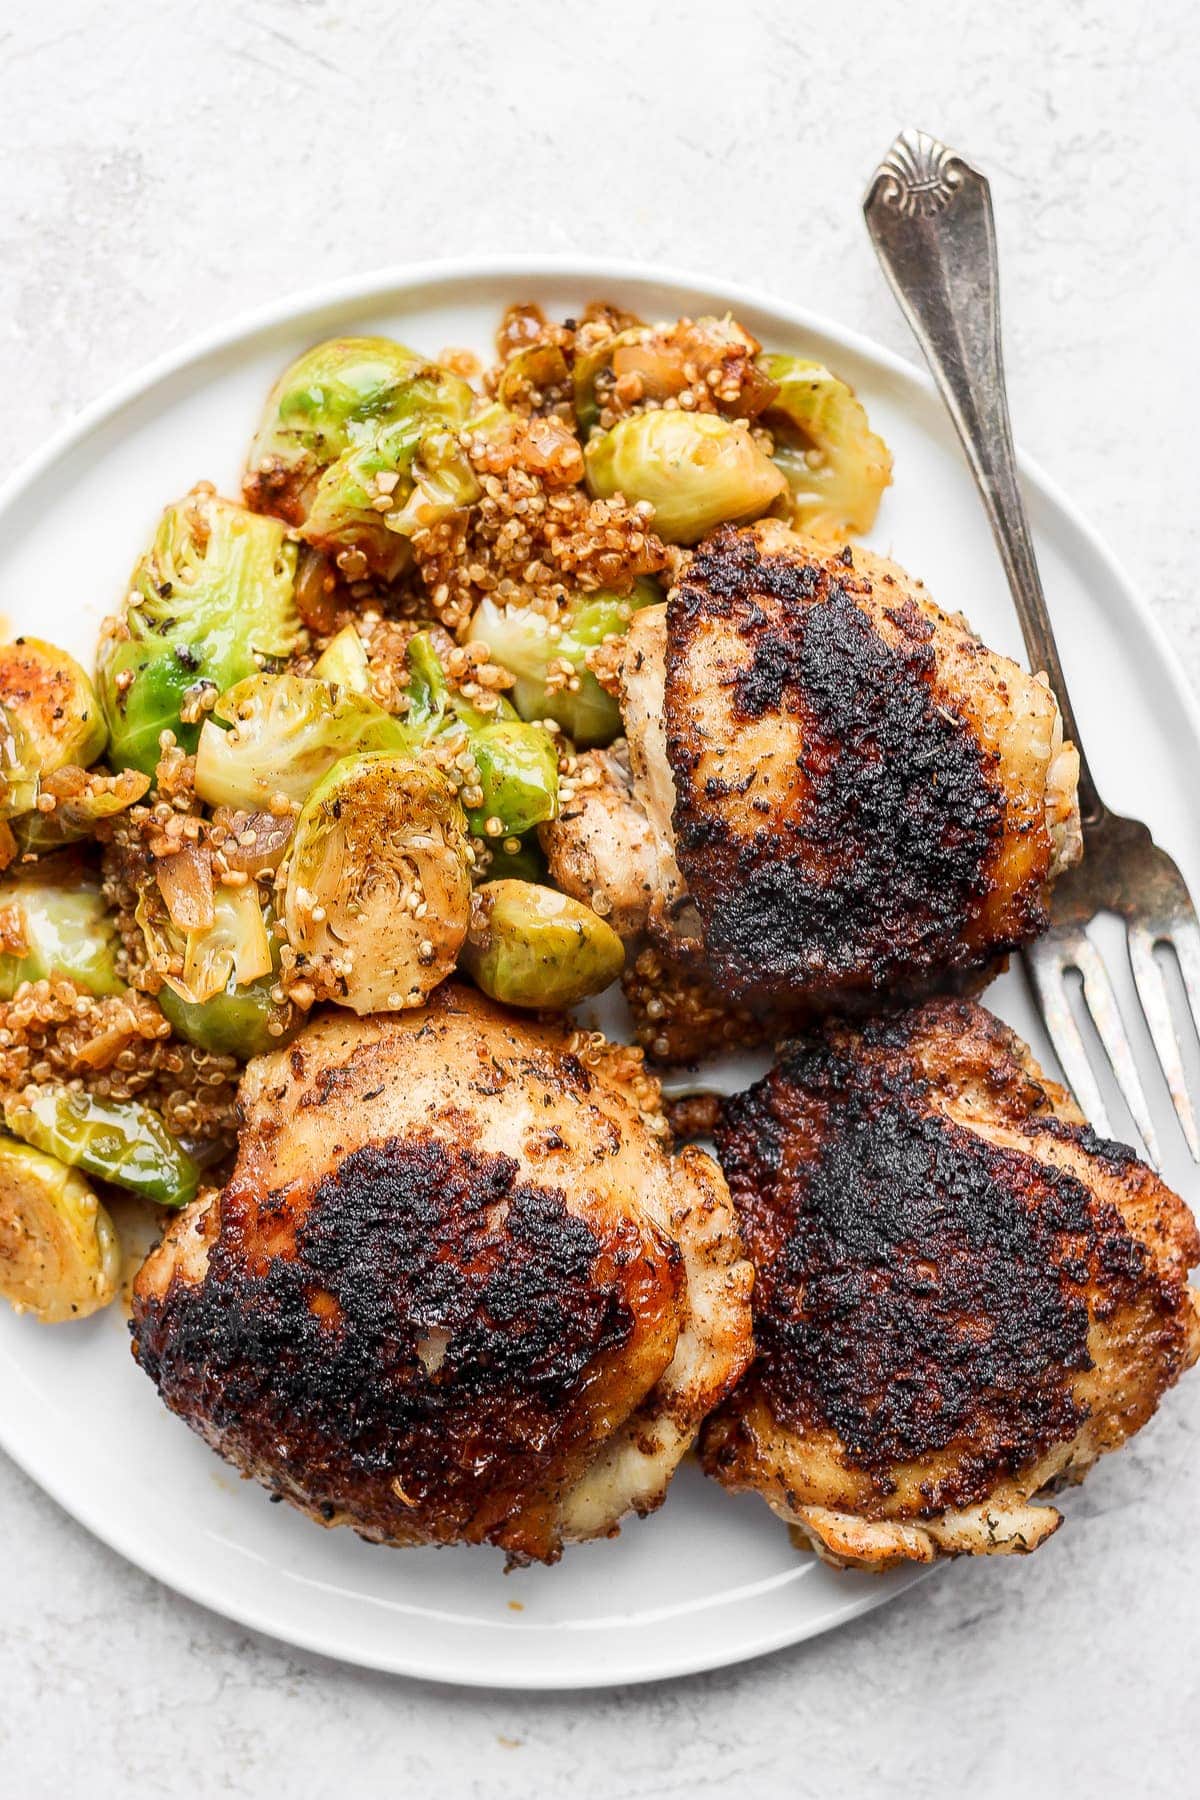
(55, 702)
(697, 470)
(229, 949)
(377, 494)
(379, 888)
(211, 600)
(553, 680)
(121, 1141)
(344, 662)
(18, 768)
(218, 959)
(358, 448)
(532, 946)
(59, 1254)
(286, 732)
(518, 774)
(55, 925)
(836, 466)
(329, 398)
(83, 799)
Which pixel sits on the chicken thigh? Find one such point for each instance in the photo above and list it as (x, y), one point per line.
(859, 798)
(456, 1289)
(962, 1298)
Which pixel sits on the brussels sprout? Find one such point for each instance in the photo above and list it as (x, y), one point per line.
(377, 494)
(229, 949)
(379, 889)
(517, 763)
(518, 773)
(55, 702)
(83, 799)
(331, 397)
(54, 925)
(522, 641)
(18, 768)
(287, 732)
(218, 976)
(241, 1021)
(121, 1141)
(697, 470)
(344, 662)
(355, 422)
(59, 1255)
(532, 946)
(836, 466)
(211, 600)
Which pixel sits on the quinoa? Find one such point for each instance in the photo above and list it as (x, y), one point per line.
(679, 1017)
(693, 365)
(536, 535)
(119, 1048)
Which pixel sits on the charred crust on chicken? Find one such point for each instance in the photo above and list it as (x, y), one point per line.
(961, 1293)
(864, 855)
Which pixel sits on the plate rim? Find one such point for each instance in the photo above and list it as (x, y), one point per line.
(409, 280)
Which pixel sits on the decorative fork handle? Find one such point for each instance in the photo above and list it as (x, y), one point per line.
(929, 214)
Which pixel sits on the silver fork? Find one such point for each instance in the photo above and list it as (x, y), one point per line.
(929, 214)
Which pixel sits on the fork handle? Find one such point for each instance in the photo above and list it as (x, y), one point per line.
(929, 214)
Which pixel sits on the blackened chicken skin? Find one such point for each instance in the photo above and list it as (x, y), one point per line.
(962, 1296)
(868, 800)
(837, 795)
(456, 1289)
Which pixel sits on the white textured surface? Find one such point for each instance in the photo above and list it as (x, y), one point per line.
(166, 166)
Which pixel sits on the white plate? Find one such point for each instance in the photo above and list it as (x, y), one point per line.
(709, 1580)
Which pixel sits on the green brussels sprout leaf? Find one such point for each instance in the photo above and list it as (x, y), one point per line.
(55, 926)
(344, 662)
(836, 466)
(210, 602)
(121, 1141)
(379, 889)
(697, 470)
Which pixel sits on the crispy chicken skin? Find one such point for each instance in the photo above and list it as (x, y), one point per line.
(962, 1298)
(456, 1288)
(868, 800)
